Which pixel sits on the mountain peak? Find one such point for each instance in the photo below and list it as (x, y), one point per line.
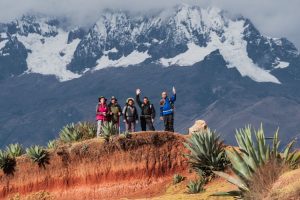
(182, 37)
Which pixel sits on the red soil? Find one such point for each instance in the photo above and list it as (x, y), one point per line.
(93, 169)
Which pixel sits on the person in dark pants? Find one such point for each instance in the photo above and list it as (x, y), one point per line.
(130, 115)
(167, 110)
(148, 112)
(115, 112)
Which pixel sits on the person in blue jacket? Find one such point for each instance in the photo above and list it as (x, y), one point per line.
(167, 110)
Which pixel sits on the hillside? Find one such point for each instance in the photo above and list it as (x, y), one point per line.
(138, 167)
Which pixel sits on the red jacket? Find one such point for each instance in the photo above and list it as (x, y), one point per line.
(101, 112)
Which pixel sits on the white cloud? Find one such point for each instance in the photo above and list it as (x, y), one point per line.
(274, 18)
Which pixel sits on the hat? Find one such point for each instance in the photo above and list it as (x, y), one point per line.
(130, 99)
(101, 98)
(113, 97)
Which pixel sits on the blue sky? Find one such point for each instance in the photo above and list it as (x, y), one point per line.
(275, 18)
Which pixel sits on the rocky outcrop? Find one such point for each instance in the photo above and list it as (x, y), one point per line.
(199, 125)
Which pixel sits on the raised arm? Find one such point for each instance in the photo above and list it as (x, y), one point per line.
(137, 98)
(173, 98)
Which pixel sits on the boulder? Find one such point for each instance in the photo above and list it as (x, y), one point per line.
(199, 125)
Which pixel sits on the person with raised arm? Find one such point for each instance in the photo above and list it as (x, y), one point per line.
(147, 112)
(167, 110)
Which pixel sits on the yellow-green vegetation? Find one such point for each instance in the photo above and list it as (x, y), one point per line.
(7, 163)
(52, 144)
(207, 153)
(76, 132)
(196, 186)
(38, 154)
(15, 150)
(252, 156)
(109, 129)
(177, 178)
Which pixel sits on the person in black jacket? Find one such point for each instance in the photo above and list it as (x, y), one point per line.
(148, 112)
(130, 115)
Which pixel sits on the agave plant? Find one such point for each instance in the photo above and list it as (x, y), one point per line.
(87, 129)
(253, 154)
(177, 178)
(14, 150)
(52, 144)
(109, 129)
(70, 133)
(7, 163)
(207, 152)
(196, 186)
(38, 154)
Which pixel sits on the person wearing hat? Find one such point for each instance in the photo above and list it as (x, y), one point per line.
(167, 110)
(130, 115)
(101, 114)
(115, 111)
(148, 112)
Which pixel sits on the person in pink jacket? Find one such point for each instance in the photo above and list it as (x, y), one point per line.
(101, 114)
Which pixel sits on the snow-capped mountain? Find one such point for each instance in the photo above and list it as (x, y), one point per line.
(180, 36)
(225, 71)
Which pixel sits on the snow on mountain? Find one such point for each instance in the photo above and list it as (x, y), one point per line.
(183, 37)
(133, 58)
(50, 55)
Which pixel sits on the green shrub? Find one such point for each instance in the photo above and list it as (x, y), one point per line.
(109, 129)
(38, 154)
(15, 150)
(52, 144)
(252, 155)
(207, 152)
(196, 186)
(177, 178)
(7, 163)
(76, 132)
(87, 129)
(70, 133)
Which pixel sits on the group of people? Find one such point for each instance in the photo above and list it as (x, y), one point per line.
(113, 112)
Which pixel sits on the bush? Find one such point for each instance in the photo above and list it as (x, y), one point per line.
(38, 154)
(15, 150)
(76, 132)
(177, 178)
(70, 133)
(87, 129)
(207, 152)
(196, 186)
(252, 156)
(109, 129)
(7, 163)
(52, 144)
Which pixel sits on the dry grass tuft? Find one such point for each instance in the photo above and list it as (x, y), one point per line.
(264, 178)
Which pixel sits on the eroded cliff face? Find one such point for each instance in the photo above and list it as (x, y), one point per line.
(94, 169)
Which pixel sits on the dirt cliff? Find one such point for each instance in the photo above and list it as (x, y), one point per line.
(140, 166)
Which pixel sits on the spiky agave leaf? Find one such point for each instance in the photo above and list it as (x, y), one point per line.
(7, 163)
(109, 129)
(177, 178)
(38, 154)
(70, 133)
(52, 144)
(255, 154)
(14, 150)
(206, 152)
(196, 186)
